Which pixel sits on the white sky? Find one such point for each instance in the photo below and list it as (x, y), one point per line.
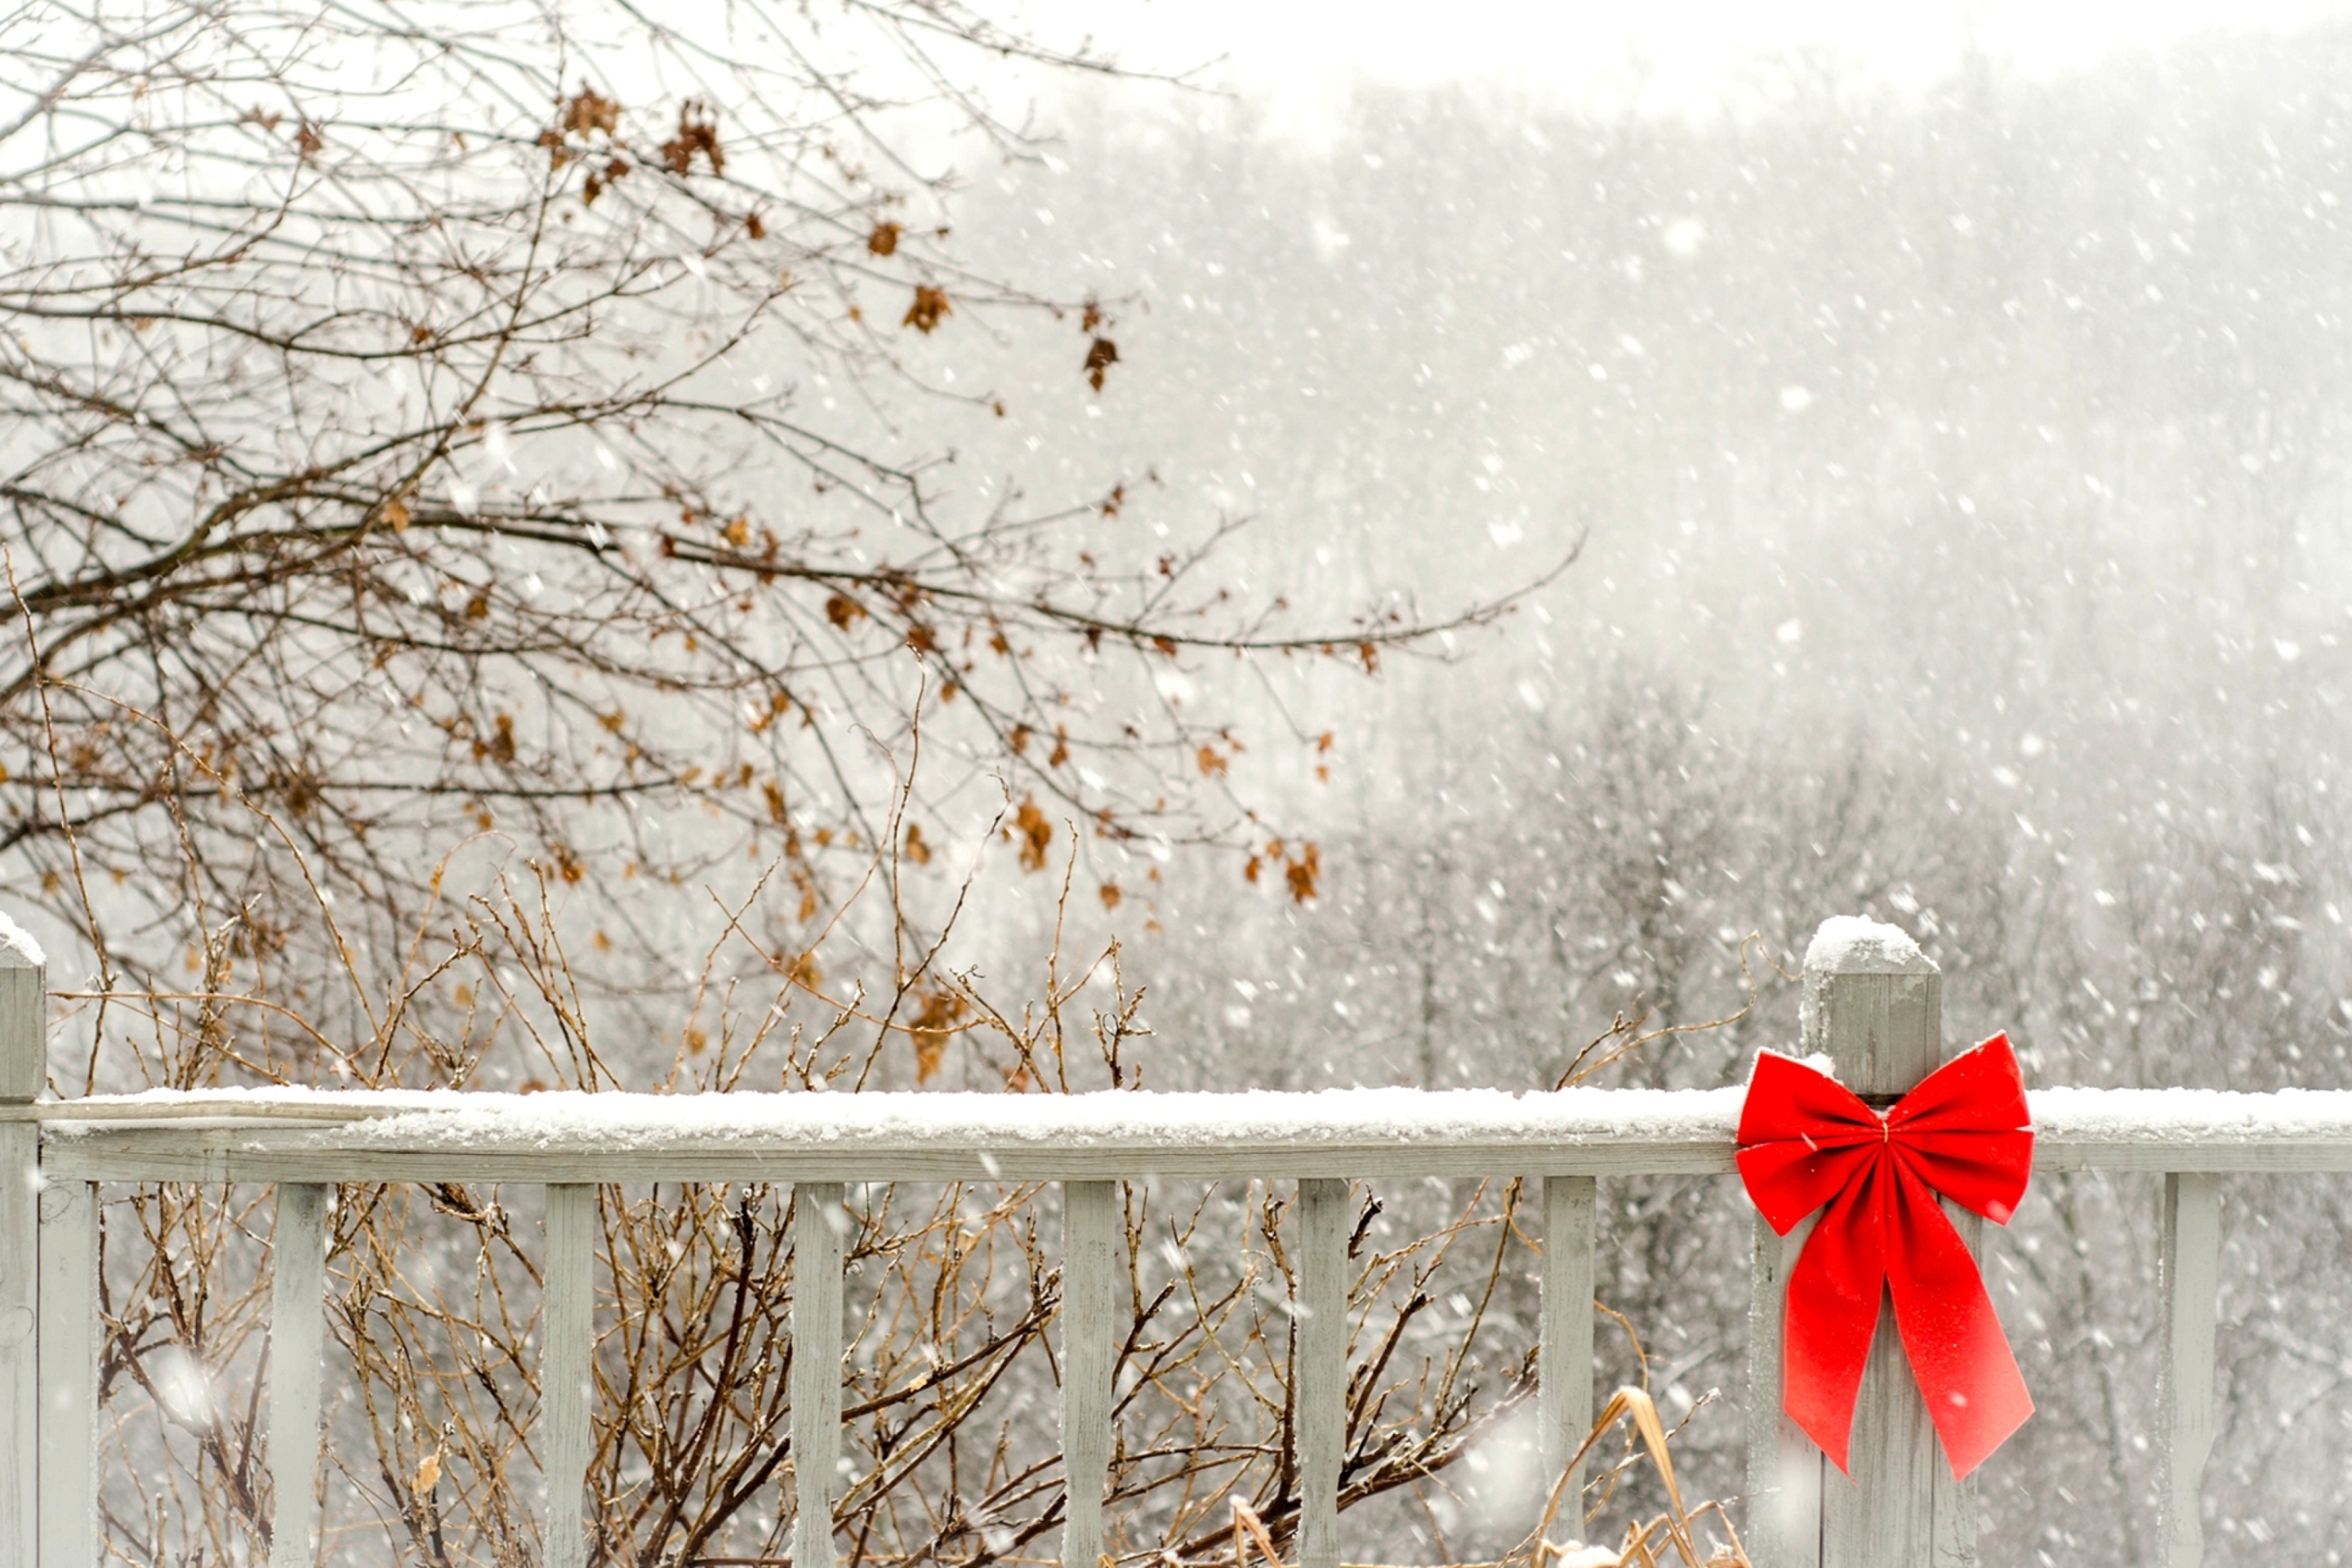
(1304, 52)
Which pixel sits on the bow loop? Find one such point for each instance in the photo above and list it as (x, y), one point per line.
(1807, 1143)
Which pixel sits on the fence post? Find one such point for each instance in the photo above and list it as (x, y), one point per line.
(1874, 1003)
(24, 1070)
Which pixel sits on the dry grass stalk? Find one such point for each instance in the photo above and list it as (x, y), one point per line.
(1644, 1540)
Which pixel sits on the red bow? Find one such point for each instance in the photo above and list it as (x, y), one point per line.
(1806, 1143)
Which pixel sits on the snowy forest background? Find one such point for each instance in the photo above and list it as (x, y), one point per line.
(1956, 488)
(1966, 503)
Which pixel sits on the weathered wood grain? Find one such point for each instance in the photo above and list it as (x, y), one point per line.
(1564, 1353)
(188, 1139)
(70, 1331)
(24, 1069)
(818, 1222)
(567, 1387)
(1321, 1367)
(2189, 1273)
(1090, 1342)
(1784, 1468)
(154, 1153)
(297, 1320)
(1883, 1028)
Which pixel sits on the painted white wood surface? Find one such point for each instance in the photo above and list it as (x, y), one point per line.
(1783, 1528)
(1955, 1524)
(208, 1151)
(297, 1320)
(818, 1223)
(24, 1069)
(194, 1141)
(1883, 1028)
(1564, 1353)
(70, 1330)
(567, 1371)
(1090, 1344)
(1321, 1396)
(2188, 1274)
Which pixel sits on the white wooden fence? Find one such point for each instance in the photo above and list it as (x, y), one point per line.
(1881, 1024)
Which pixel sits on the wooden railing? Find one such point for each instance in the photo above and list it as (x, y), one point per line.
(1878, 1019)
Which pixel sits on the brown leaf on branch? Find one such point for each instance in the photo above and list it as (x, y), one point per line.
(1036, 833)
(933, 1028)
(884, 240)
(588, 111)
(1302, 873)
(698, 135)
(931, 304)
(1101, 355)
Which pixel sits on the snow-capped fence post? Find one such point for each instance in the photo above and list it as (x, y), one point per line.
(1872, 1003)
(24, 1069)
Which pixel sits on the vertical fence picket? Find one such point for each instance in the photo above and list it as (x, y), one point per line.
(567, 1387)
(1089, 1349)
(1320, 1399)
(818, 1221)
(24, 1070)
(2189, 1270)
(1784, 1468)
(1564, 1354)
(70, 1330)
(297, 1318)
(1956, 1499)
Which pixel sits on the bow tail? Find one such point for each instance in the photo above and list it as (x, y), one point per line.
(1975, 1393)
(1833, 1314)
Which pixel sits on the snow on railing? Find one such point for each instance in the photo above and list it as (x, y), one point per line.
(1872, 1004)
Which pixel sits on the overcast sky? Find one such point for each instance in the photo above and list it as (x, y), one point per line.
(1685, 53)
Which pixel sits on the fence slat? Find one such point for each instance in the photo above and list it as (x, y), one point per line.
(1564, 1354)
(20, 1398)
(297, 1321)
(818, 1221)
(2189, 1271)
(70, 1330)
(1956, 1500)
(1089, 1349)
(567, 1371)
(1321, 1398)
(1784, 1468)
(24, 1069)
